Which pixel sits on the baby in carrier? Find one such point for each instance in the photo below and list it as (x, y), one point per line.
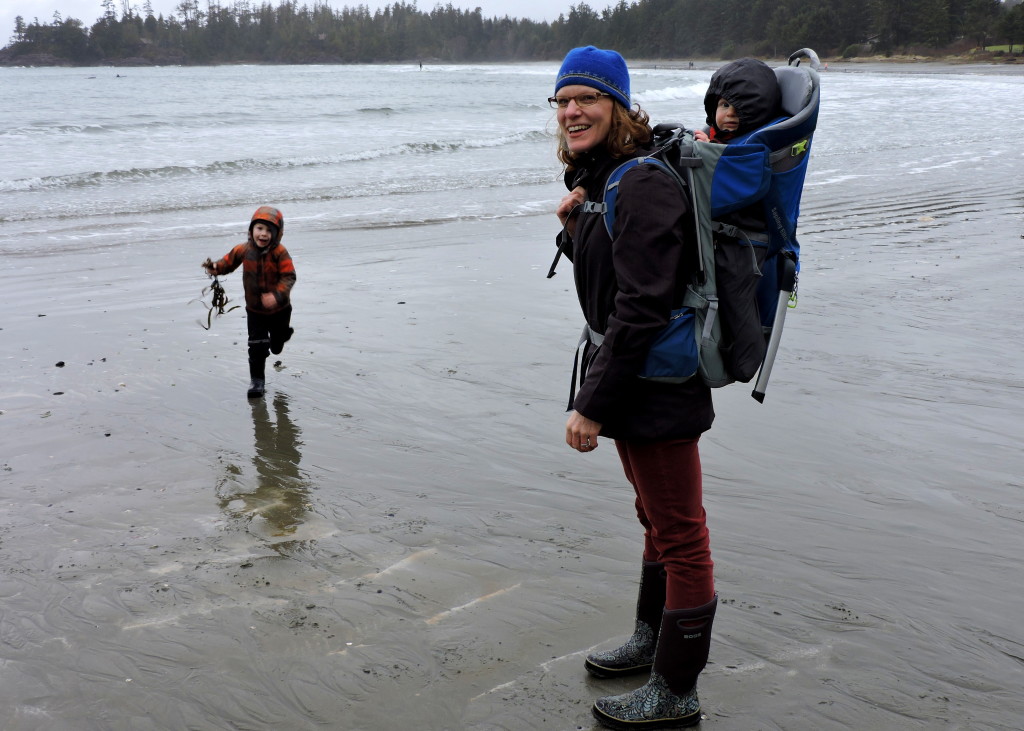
(760, 123)
(742, 97)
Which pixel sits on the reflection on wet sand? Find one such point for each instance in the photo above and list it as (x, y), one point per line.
(279, 504)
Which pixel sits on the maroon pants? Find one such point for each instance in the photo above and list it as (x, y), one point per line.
(669, 502)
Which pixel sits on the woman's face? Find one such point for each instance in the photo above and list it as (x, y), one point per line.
(584, 127)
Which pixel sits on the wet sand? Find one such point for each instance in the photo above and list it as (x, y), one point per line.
(396, 537)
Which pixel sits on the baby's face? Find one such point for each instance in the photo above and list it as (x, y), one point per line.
(726, 118)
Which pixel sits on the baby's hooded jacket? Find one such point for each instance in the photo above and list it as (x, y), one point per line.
(748, 85)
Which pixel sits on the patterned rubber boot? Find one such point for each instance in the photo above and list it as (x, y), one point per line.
(637, 654)
(669, 699)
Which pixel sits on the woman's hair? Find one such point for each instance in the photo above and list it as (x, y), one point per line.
(629, 129)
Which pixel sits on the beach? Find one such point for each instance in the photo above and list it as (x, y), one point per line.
(396, 536)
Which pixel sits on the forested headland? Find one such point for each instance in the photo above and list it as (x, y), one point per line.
(243, 32)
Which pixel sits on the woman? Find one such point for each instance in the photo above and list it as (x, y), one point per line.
(627, 284)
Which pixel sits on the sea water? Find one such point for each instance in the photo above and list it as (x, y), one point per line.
(113, 157)
(126, 156)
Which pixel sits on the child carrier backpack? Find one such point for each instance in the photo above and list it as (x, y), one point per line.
(729, 325)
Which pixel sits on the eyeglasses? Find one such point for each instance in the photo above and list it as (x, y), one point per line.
(588, 99)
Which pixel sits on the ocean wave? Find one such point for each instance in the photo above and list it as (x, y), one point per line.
(115, 241)
(220, 167)
(823, 178)
(461, 70)
(49, 130)
(144, 124)
(196, 199)
(66, 233)
(672, 93)
(411, 219)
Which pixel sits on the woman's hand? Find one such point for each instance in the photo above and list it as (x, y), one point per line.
(581, 432)
(568, 203)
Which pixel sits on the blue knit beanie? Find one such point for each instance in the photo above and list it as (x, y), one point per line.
(596, 68)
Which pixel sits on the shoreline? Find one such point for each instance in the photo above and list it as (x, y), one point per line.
(874, 62)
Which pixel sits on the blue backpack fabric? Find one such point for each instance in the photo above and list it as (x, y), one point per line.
(729, 324)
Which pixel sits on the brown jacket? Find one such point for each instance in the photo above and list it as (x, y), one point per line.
(627, 286)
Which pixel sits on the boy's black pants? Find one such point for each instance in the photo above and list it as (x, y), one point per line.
(262, 330)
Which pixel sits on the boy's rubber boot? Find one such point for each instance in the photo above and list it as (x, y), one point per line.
(276, 347)
(257, 384)
(669, 699)
(637, 654)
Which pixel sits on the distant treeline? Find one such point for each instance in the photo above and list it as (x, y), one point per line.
(293, 33)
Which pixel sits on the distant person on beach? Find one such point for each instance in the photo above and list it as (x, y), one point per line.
(743, 95)
(627, 285)
(267, 277)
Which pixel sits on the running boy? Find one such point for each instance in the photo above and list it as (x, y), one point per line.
(742, 96)
(267, 277)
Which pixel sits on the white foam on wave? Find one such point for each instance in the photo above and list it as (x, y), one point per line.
(918, 168)
(672, 93)
(245, 165)
(822, 180)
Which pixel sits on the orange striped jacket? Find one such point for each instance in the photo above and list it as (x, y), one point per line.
(263, 270)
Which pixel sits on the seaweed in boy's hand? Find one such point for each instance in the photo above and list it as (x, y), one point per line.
(218, 302)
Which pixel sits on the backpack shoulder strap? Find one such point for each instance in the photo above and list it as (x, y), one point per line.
(606, 207)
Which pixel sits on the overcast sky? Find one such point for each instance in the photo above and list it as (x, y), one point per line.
(89, 10)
